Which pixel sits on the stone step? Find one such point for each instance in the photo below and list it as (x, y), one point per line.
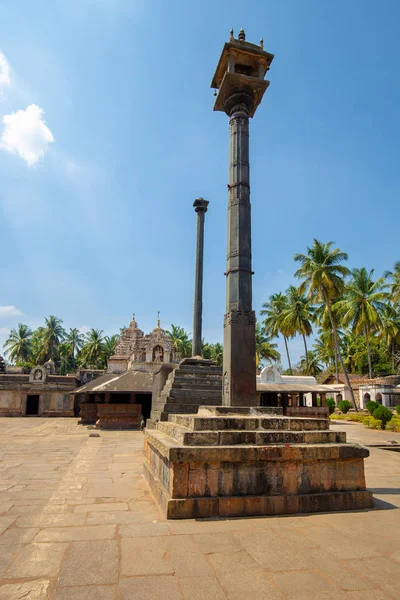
(194, 393)
(197, 400)
(250, 423)
(182, 435)
(203, 370)
(185, 382)
(196, 378)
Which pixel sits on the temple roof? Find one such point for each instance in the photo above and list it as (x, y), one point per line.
(130, 381)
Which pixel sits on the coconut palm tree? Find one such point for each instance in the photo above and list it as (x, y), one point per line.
(181, 341)
(310, 365)
(51, 336)
(297, 316)
(75, 339)
(265, 349)
(389, 330)
(394, 276)
(93, 348)
(18, 344)
(213, 352)
(109, 346)
(323, 277)
(326, 333)
(362, 305)
(272, 310)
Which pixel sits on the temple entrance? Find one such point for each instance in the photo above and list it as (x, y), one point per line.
(32, 405)
(120, 398)
(378, 398)
(145, 401)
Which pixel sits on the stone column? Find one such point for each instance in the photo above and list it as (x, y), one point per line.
(200, 206)
(239, 366)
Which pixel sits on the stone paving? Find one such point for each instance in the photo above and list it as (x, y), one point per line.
(77, 522)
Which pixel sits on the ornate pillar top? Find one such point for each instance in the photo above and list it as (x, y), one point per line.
(200, 205)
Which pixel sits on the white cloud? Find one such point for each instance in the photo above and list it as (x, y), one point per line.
(26, 134)
(84, 329)
(9, 311)
(5, 71)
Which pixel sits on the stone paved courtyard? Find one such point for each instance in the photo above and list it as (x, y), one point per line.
(77, 522)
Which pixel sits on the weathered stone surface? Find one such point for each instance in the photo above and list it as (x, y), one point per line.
(245, 469)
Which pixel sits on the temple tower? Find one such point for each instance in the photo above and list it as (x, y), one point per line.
(239, 77)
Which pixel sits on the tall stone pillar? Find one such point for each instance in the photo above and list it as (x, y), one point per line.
(200, 206)
(239, 366)
(239, 77)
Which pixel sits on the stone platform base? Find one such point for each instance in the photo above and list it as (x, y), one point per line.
(252, 464)
(250, 506)
(119, 416)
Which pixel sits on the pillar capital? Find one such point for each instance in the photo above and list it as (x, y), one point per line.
(200, 205)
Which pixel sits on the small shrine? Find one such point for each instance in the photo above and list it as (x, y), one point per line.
(122, 397)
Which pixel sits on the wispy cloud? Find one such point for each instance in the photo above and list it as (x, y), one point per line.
(26, 134)
(84, 329)
(9, 311)
(5, 71)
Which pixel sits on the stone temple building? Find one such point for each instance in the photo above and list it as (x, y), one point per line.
(125, 390)
(41, 392)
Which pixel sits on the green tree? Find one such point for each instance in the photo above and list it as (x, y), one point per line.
(181, 341)
(93, 349)
(394, 277)
(265, 349)
(310, 365)
(213, 352)
(389, 330)
(48, 339)
(362, 305)
(75, 340)
(18, 344)
(297, 316)
(272, 310)
(109, 348)
(323, 277)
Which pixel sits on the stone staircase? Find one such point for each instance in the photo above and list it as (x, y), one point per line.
(194, 382)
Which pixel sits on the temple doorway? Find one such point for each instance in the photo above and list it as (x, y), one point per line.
(145, 401)
(32, 405)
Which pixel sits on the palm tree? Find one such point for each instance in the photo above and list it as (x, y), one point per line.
(109, 346)
(362, 305)
(213, 352)
(265, 349)
(309, 365)
(395, 284)
(51, 337)
(75, 340)
(18, 344)
(326, 333)
(66, 359)
(181, 341)
(93, 349)
(272, 310)
(389, 330)
(323, 276)
(297, 316)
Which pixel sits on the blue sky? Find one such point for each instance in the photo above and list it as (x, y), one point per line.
(108, 135)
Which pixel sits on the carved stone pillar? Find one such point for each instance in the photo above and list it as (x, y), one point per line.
(200, 206)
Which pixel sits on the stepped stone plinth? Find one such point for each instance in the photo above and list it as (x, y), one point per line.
(194, 382)
(217, 463)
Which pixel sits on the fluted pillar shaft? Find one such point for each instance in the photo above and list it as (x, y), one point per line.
(239, 368)
(200, 206)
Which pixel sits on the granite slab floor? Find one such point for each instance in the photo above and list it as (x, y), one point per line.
(77, 521)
